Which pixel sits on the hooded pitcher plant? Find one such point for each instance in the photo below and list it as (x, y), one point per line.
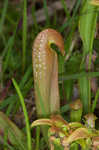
(45, 71)
(63, 134)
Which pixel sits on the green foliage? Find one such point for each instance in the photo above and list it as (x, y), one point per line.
(46, 12)
(15, 135)
(95, 101)
(29, 142)
(87, 26)
(24, 34)
(84, 86)
(8, 50)
(3, 16)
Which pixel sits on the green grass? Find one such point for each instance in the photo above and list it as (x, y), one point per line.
(46, 13)
(4, 11)
(25, 115)
(95, 101)
(24, 35)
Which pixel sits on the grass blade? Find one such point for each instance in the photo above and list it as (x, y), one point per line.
(46, 12)
(85, 93)
(79, 75)
(65, 8)
(26, 77)
(3, 15)
(24, 36)
(29, 142)
(87, 27)
(10, 46)
(37, 137)
(95, 101)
